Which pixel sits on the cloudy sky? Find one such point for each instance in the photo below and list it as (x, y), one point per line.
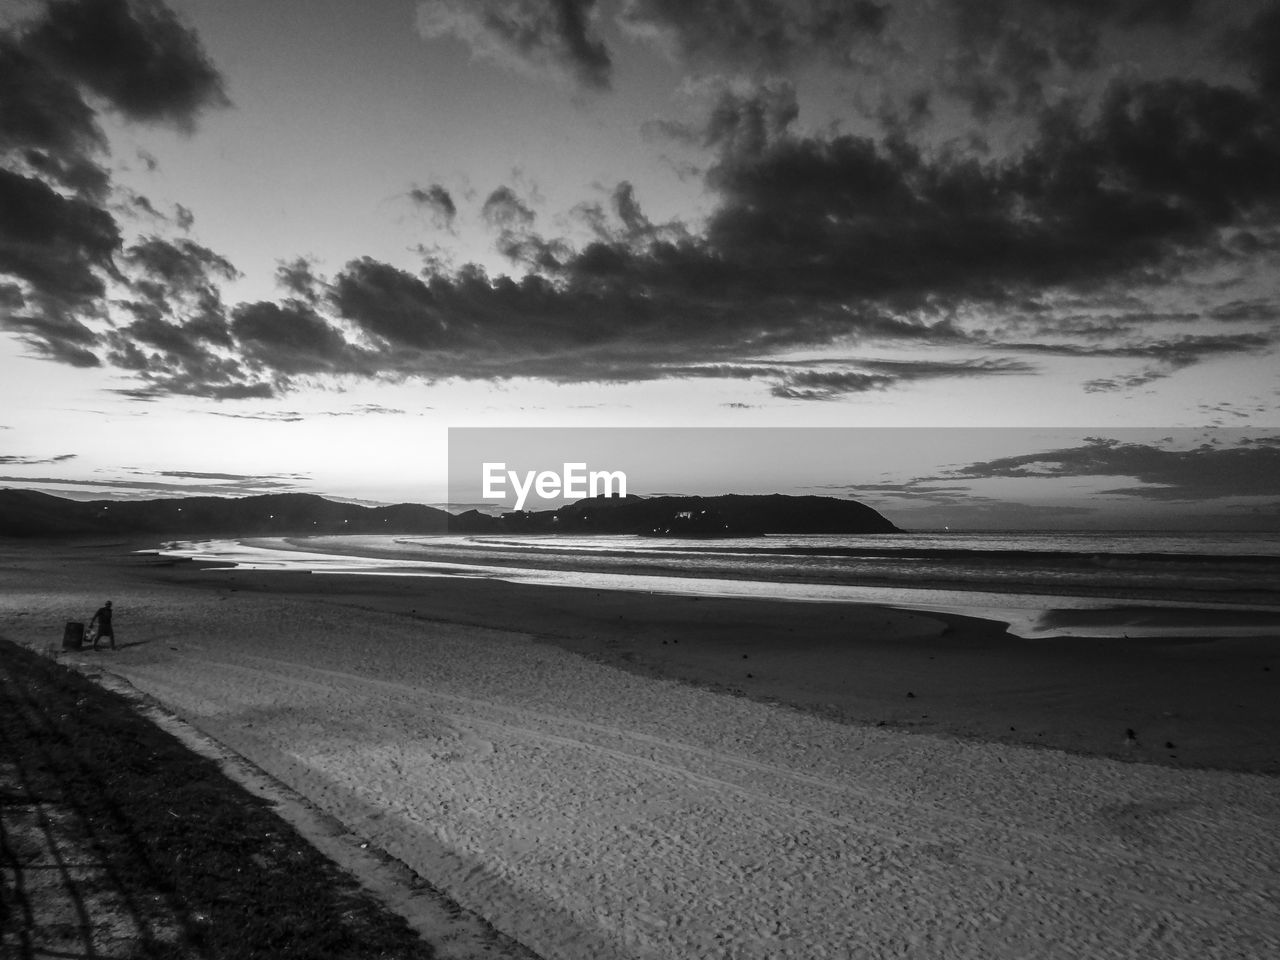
(251, 247)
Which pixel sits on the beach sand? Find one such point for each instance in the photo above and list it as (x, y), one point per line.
(570, 764)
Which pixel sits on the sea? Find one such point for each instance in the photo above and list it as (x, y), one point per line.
(1040, 583)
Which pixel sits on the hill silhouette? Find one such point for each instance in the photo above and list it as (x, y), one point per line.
(29, 513)
(728, 515)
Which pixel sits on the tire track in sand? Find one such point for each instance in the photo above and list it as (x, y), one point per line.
(1022, 855)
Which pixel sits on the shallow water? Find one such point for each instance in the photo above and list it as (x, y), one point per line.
(1041, 585)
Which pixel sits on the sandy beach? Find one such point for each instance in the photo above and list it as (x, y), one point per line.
(606, 775)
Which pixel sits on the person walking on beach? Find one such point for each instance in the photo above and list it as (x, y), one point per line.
(103, 619)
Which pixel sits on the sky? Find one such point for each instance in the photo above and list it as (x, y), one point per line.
(251, 248)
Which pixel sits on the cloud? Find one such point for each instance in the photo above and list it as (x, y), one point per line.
(277, 417)
(1008, 53)
(624, 222)
(299, 278)
(828, 384)
(1257, 44)
(1157, 171)
(755, 35)
(1168, 355)
(223, 382)
(803, 382)
(55, 244)
(1205, 472)
(1264, 309)
(290, 338)
(46, 122)
(556, 36)
(506, 211)
(135, 54)
(59, 239)
(12, 460)
(295, 416)
(181, 266)
(365, 410)
(204, 484)
(53, 333)
(256, 480)
(814, 237)
(1114, 384)
(437, 201)
(179, 336)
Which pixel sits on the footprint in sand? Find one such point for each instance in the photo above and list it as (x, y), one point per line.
(457, 744)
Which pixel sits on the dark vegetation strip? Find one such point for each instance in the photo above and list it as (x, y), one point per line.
(171, 829)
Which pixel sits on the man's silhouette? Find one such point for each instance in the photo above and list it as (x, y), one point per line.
(103, 619)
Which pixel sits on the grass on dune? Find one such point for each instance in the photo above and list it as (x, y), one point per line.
(175, 832)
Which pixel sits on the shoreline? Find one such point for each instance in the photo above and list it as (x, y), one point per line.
(1032, 612)
(1200, 702)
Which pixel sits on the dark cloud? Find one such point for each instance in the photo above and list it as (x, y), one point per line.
(554, 35)
(222, 382)
(1168, 355)
(745, 125)
(269, 480)
(1007, 52)
(1203, 473)
(132, 53)
(814, 238)
(56, 244)
(1177, 352)
(217, 485)
(1257, 45)
(591, 325)
(180, 322)
(44, 113)
(181, 267)
(295, 416)
(1158, 170)
(517, 240)
(299, 278)
(1217, 411)
(60, 242)
(827, 382)
(365, 409)
(53, 332)
(276, 417)
(180, 340)
(437, 201)
(503, 209)
(624, 224)
(13, 460)
(1266, 310)
(392, 305)
(1130, 382)
(756, 35)
(291, 338)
